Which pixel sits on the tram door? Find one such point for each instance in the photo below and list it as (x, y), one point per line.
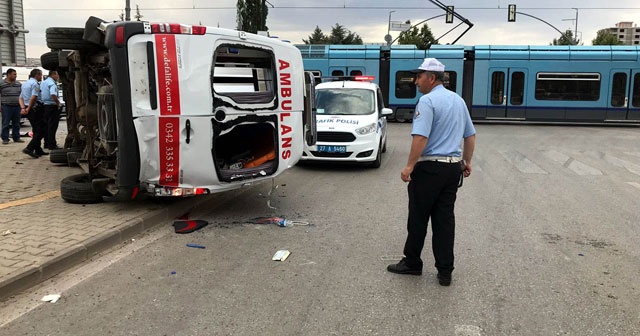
(623, 101)
(341, 71)
(507, 88)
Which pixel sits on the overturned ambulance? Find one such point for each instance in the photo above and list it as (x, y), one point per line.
(176, 110)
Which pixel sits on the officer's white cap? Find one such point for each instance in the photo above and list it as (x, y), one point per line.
(430, 64)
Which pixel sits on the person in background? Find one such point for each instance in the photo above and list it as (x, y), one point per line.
(434, 170)
(10, 90)
(33, 110)
(49, 98)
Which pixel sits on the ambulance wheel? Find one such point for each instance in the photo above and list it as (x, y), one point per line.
(67, 38)
(59, 156)
(77, 189)
(49, 60)
(384, 146)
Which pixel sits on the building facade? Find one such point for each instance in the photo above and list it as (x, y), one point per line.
(626, 32)
(12, 33)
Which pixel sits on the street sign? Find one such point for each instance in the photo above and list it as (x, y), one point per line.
(449, 18)
(399, 26)
(512, 13)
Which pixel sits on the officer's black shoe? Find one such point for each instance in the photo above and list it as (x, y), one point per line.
(444, 279)
(41, 152)
(403, 268)
(30, 153)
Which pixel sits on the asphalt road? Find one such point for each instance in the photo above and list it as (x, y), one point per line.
(547, 244)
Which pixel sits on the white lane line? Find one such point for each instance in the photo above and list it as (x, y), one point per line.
(521, 163)
(467, 330)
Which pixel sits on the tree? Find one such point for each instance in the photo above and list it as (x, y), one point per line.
(339, 35)
(605, 38)
(422, 39)
(318, 37)
(252, 15)
(566, 39)
(342, 35)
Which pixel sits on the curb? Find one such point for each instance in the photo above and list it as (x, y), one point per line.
(74, 255)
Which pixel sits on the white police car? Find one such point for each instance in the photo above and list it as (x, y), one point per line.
(351, 123)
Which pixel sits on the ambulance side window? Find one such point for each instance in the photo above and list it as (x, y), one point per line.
(243, 73)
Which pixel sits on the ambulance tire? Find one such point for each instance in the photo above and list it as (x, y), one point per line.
(378, 161)
(384, 146)
(49, 60)
(67, 38)
(59, 156)
(77, 189)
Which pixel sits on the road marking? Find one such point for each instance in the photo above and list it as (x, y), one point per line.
(635, 184)
(32, 199)
(521, 162)
(467, 330)
(576, 166)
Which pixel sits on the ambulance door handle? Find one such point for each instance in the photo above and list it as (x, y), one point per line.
(188, 126)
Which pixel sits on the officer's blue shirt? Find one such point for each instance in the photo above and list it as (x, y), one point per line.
(48, 87)
(30, 88)
(442, 116)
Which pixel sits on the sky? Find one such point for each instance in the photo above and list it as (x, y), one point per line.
(295, 20)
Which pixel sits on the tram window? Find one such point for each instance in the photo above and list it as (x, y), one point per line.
(450, 80)
(635, 101)
(355, 73)
(337, 73)
(244, 74)
(405, 86)
(517, 88)
(568, 86)
(497, 88)
(618, 89)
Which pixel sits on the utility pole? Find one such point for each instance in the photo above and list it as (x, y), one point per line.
(388, 37)
(127, 10)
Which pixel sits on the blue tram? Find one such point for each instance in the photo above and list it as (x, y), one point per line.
(573, 84)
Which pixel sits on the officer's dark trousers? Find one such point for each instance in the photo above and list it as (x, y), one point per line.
(432, 194)
(38, 126)
(52, 119)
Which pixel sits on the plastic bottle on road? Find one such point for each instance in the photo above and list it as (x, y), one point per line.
(284, 223)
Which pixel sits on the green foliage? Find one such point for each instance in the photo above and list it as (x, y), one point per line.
(422, 39)
(252, 15)
(318, 37)
(566, 39)
(339, 35)
(605, 38)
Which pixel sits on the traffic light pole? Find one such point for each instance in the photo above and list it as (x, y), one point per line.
(550, 25)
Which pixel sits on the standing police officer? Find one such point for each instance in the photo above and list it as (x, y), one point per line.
(49, 98)
(29, 100)
(434, 170)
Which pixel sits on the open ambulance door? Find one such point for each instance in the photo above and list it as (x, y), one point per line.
(309, 117)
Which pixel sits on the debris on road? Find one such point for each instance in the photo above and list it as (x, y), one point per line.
(188, 226)
(8, 232)
(53, 298)
(281, 255)
(196, 246)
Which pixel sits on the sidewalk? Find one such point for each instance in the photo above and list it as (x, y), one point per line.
(49, 235)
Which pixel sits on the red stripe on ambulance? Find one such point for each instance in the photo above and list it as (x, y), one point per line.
(285, 105)
(168, 124)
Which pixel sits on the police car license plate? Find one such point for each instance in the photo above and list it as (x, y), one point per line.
(332, 149)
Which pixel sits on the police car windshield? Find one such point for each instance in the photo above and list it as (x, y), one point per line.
(345, 101)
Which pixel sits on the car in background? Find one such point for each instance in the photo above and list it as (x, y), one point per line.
(351, 123)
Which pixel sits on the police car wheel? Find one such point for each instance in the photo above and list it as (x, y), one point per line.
(78, 189)
(378, 161)
(384, 146)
